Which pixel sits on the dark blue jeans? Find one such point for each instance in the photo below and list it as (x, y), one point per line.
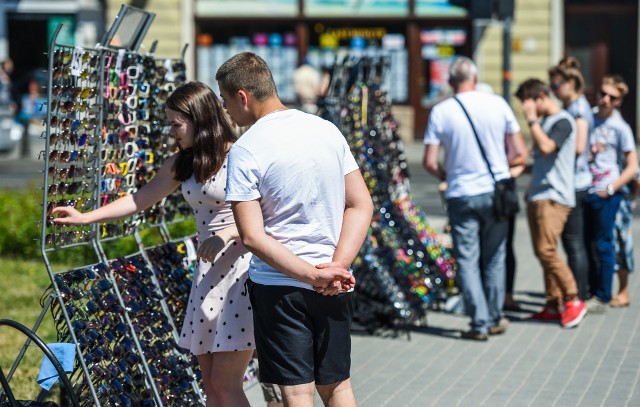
(601, 215)
(575, 244)
(511, 256)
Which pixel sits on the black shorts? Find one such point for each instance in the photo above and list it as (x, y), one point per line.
(301, 336)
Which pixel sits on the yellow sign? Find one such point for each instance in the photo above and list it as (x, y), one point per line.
(328, 41)
(446, 51)
(347, 33)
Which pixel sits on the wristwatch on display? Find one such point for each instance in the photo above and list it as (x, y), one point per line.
(610, 190)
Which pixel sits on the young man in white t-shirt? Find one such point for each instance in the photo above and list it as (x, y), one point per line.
(303, 209)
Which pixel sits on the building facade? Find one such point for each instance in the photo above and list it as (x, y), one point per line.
(420, 37)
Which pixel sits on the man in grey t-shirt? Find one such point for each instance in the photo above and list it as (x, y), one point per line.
(551, 197)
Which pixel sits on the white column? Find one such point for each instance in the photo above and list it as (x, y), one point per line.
(557, 31)
(187, 36)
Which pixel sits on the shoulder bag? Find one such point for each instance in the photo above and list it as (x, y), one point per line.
(505, 198)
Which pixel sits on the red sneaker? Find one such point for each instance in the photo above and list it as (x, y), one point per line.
(574, 313)
(546, 315)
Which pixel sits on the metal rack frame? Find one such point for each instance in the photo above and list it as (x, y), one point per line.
(95, 241)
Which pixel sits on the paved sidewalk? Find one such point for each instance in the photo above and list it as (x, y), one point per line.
(533, 364)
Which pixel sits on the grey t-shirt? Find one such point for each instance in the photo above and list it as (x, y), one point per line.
(580, 108)
(553, 174)
(610, 139)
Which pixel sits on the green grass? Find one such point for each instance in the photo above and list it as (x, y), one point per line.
(22, 282)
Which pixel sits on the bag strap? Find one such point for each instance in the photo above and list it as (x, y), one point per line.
(475, 133)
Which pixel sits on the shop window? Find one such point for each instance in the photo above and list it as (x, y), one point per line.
(331, 44)
(440, 46)
(278, 49)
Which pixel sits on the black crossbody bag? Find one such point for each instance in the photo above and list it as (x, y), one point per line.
(505, 198)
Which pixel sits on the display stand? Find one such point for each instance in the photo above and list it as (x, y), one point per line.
(106, 135)
(402, 268)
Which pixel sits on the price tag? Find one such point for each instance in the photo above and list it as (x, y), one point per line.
(76, 61)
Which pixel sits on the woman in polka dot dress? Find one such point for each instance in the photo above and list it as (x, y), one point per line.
(218, 326)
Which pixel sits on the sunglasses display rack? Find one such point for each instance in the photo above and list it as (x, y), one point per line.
(116, 313)
(402, 268)
(106, 135)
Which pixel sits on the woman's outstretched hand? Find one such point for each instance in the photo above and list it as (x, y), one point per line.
(68, 215)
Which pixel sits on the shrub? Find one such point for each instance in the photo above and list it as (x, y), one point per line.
(20, 210)
(21, 214)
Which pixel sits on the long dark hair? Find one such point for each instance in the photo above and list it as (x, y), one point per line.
(211, 131)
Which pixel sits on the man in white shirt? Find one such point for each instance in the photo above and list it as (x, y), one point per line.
(478, 238)
(303, 209)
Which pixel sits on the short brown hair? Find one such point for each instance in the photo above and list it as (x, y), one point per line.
(531, 89)
(618, 82)
(247, 71)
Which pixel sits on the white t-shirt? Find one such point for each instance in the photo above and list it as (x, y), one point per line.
(467, 172)
(294, 163)
(580, 108)
(611, 138)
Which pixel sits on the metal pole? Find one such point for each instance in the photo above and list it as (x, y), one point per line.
(506, 59)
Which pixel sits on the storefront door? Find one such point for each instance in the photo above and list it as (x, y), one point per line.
(603, 35)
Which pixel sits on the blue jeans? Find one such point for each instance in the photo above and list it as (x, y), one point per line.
(601, 213)
(479, 246)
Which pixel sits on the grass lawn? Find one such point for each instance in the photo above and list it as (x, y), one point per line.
(21, 285)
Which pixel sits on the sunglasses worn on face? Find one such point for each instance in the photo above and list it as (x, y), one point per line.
(556, 85)
(611, 97)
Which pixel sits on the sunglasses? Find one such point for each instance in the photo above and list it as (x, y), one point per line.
(61, 56)
(603, 94)
(71, 172)
(69, 106)
(556, 85)
(65, 238)
(73, 91)
(80, 203)
(61, 156)
(63, 188)
(71, 137)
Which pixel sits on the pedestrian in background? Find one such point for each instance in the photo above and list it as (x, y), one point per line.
(6, 96)
(623, 239)
(303, 210)
(612, 147)
(566, 82)
(517, 156)
(550, 198)
(307, 82)
(478, 238)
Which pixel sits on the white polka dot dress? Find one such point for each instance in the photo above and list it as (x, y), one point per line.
(219, 316)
